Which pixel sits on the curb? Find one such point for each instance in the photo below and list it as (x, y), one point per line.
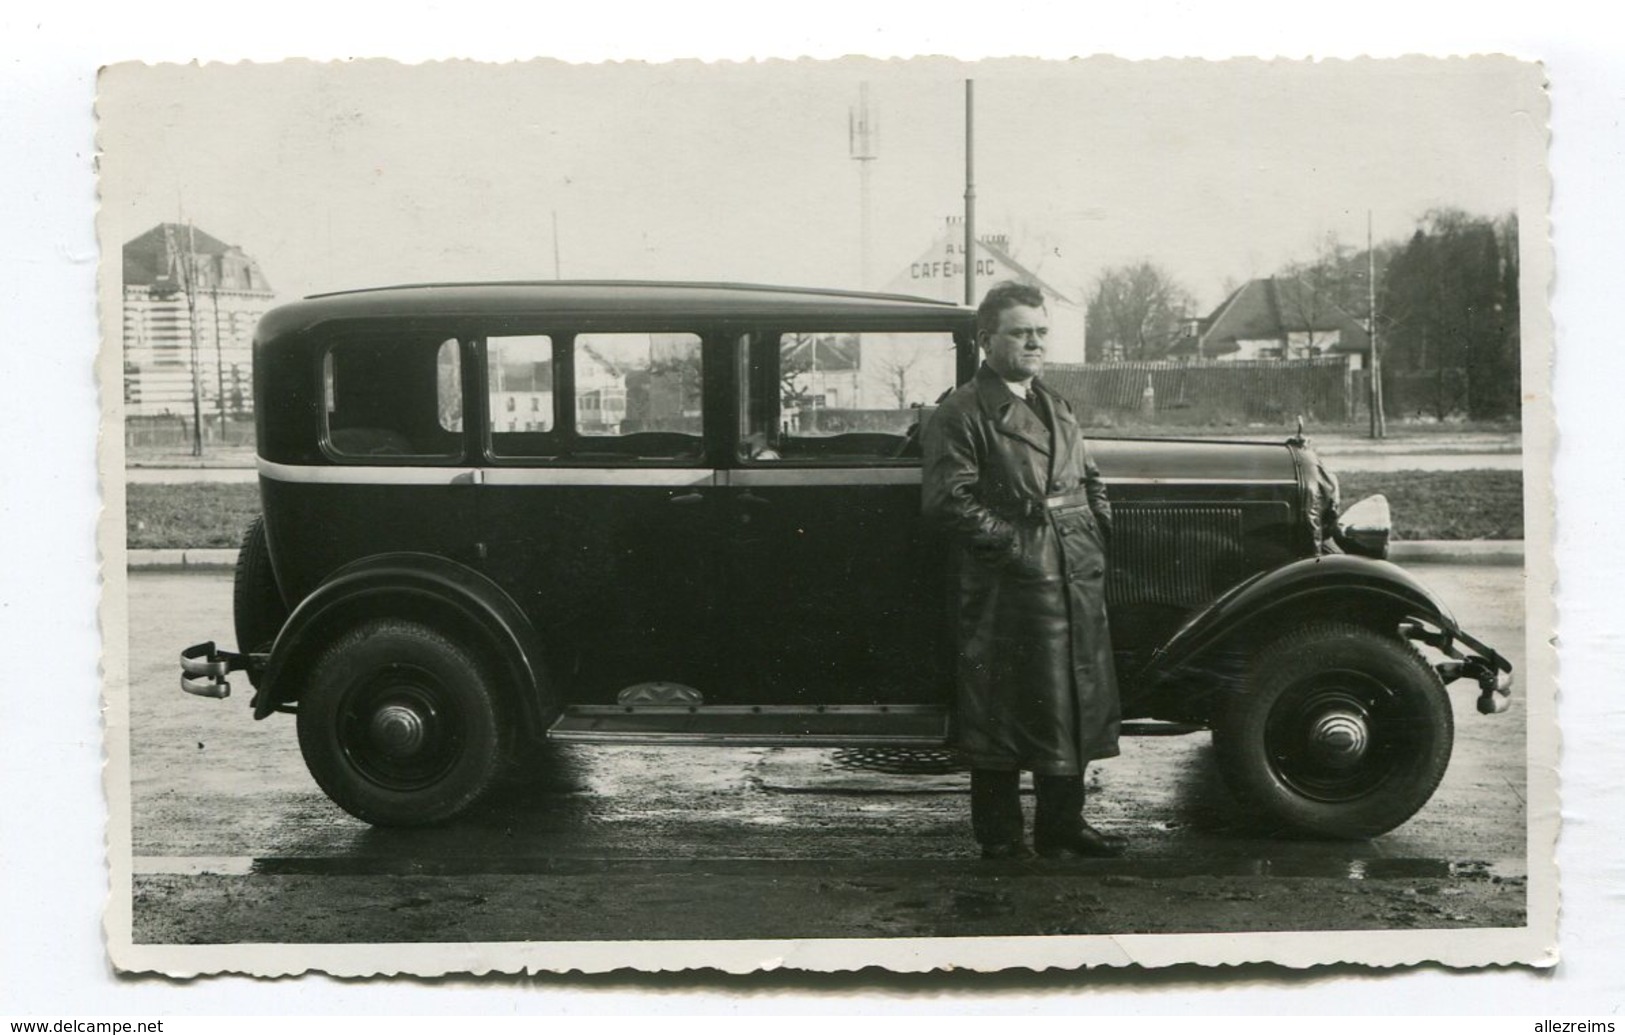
(1430, 551)
(175, 560)
(1458, 551)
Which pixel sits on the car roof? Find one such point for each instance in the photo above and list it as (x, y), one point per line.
(622, 298)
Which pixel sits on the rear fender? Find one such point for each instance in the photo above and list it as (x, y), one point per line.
(1359, 589)
(439, 592)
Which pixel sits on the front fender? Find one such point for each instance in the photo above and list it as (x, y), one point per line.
(1355, 588)
(425, 587)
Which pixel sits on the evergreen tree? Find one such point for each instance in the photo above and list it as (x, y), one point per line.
(1449, 309)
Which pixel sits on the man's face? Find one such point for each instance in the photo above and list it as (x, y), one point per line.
(1015, 348)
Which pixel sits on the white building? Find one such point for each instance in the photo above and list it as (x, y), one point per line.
(177, 278)
(939, 273)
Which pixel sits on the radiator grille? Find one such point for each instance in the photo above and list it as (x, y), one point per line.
(1182, 556)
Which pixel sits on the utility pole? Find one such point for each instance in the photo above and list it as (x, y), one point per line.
(556, 274)
(1379, 423)
(219, 354)
(863, 133)
(183, 265)
(970, 192)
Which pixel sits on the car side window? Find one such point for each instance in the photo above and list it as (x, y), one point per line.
(384, 398)
(840, 396)
(519, 389)
(638, 395)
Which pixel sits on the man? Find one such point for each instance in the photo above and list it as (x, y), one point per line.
(1008, 476)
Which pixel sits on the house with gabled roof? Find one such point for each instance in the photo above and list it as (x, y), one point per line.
(1282, 318)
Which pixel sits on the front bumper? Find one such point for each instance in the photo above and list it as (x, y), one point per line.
(204, 669)
(1488, 669)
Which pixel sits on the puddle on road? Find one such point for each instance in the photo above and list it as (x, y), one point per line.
(1374, 869)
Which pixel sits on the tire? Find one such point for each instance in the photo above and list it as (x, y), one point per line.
(258, 612)
(400, 725)
(1341, 732)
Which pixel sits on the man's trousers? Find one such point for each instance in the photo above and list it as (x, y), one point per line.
(995, 807)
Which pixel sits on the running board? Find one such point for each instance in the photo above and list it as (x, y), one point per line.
(743, 725)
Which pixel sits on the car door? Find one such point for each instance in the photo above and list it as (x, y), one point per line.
(835, 594)
(598, 504)
(389, 471)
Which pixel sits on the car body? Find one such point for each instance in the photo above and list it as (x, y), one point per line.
(497, 515)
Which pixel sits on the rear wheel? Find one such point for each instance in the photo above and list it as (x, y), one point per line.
(1342, 731)
(256, 603)
(400, 725)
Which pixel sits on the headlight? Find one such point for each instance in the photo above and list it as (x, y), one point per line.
(1364, 528)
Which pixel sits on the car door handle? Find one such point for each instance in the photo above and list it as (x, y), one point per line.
(687, 499)
(754, 500)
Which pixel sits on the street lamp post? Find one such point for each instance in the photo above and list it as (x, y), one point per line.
(1379, 427)
(970, 192)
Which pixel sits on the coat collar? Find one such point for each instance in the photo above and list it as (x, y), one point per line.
(1000, 407)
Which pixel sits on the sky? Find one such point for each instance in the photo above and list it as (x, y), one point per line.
(346, 175)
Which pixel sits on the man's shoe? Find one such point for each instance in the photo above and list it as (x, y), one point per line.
(1087, 842)
(1007, 850)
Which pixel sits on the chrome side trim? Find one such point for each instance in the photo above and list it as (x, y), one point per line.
(786, 476)
(670, 477)
(312, 474)
(1199, 481)
(673, 477)
(509, 476)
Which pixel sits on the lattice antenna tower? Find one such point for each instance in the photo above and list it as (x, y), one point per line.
(863, 144)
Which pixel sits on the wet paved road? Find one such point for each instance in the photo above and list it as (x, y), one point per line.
(233, 841)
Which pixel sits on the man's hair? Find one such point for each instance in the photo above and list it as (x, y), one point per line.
(1006, 294)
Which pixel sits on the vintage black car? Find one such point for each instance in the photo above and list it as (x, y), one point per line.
(497, 515)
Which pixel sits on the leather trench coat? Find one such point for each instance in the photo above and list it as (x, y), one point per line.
(1027, 512)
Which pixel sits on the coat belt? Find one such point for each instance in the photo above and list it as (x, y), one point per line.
(1034, 509)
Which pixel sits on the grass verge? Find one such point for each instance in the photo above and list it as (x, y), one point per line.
(1444, 504)
(188, 516)
(1426, 505)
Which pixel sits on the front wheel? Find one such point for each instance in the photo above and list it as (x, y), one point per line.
(1342, 731)
(400, 725)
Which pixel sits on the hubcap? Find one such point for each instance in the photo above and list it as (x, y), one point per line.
(398, 730)
(1339, 737)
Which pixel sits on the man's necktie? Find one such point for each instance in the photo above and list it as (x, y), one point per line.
(1037, 407)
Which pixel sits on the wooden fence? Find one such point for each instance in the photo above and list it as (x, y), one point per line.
(1201, 393)
(172, 432)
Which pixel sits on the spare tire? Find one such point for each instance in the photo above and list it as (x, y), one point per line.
(256, 603)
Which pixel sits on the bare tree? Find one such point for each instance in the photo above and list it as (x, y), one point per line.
(896, 363)
(1136, 312)
(1310, 292)
(794, 390)
(1333, 282)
